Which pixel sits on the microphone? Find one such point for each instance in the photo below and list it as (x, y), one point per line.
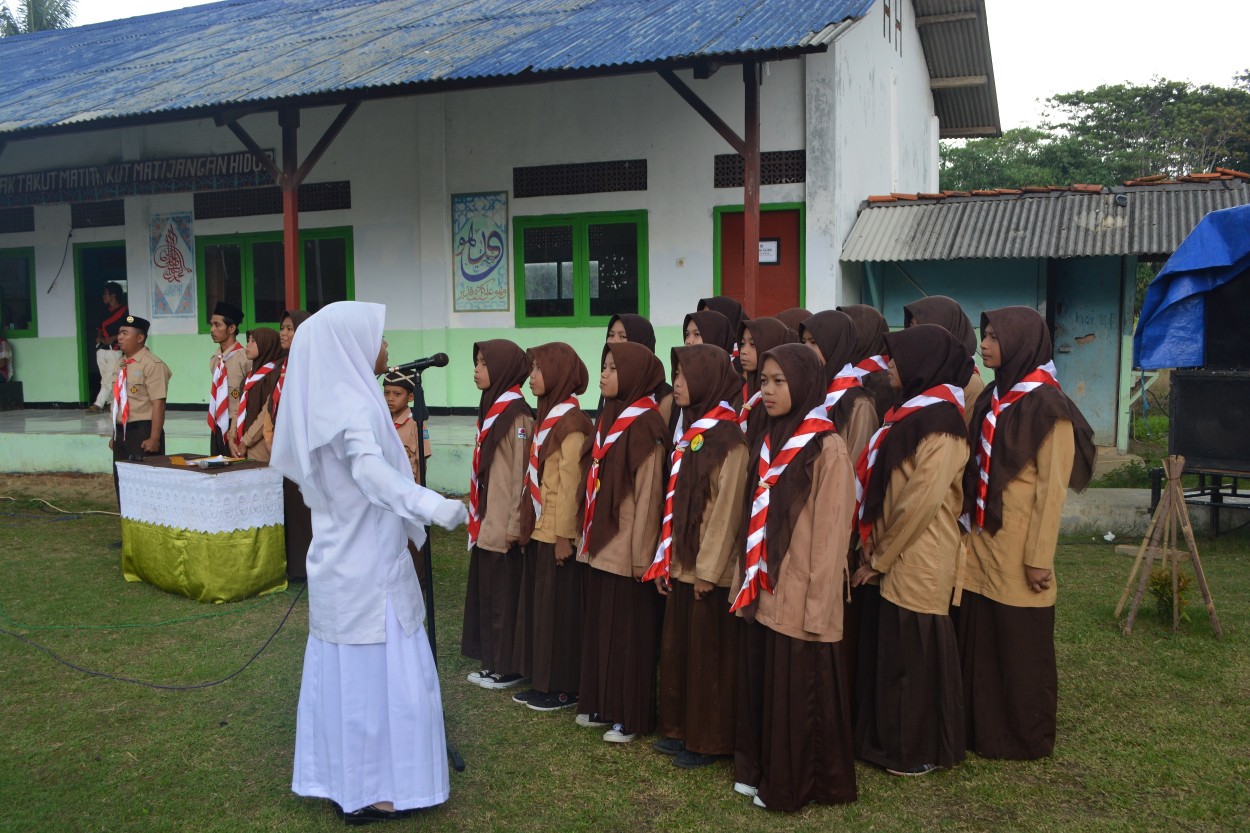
(437, 360)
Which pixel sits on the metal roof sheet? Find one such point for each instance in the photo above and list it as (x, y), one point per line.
(956, 42)
(1152, 221)
(248, 51)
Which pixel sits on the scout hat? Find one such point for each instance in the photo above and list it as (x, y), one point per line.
(399, 379)
(230, 312)
(141, 324)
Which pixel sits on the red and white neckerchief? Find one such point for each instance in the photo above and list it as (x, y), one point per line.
(531, 471)
(756, 564)
(219, 394)
(870, 365)
(692, 440)
(868, 457)
(1043, 375)
(254, 377)
(850, 376)
(277, 391)
(748, 403)
(483, 428)
(121, 398)
(407, 419)
(601, 447)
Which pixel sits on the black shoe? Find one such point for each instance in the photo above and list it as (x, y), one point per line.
(554, 701)
(370, 814)
(693, 760)
(114, 545)
(523, 697)
(669, 746)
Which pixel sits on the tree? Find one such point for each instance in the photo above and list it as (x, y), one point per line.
(36, 16)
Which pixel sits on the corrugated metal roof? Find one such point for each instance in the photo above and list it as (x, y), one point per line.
(236, 53)
(956, 42)
(1152, 221)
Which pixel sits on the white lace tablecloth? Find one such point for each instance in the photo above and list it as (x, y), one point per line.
(224, 501)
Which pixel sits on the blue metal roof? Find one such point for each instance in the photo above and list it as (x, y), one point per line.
(249, 51)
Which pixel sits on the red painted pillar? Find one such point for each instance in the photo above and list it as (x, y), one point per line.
(751, 190)
(289, 120)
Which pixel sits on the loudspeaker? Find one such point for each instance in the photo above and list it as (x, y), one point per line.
(1224, 331)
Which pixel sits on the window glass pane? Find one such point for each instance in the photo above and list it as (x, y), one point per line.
(268, 291)
(548, 253)
(16, 309)
(613, 268)
(325, 272)
(223, 276)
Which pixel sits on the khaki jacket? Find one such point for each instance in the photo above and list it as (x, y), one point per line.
(1032, 506)
(809, 595)
(258, 439)
(412, 444)
(502, 523)
(722, 520)
(917, 537)
(971, 393)
(147, 379)
(632, 550)
(860, 427)
(561, 477)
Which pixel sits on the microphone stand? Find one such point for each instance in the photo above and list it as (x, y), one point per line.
(420, 413)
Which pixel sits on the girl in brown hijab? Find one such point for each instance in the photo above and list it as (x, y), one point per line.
(909, 716)
(732, 310)
(549, 614)
(852, 408)
(500, 453)
(1029, 445)
(710, 327)
(793, 742)
(298, 519)
(629, 326)
(620, 532)
(793, 317)
(946, 313)
(870, 330)
(253, 437)
(755, 338)
(694, 564)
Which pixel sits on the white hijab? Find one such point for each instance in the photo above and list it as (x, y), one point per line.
(330, 387)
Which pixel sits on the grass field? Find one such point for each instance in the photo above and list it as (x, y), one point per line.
(1154, 729)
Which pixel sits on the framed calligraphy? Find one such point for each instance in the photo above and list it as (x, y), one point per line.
(171, 256)
(479, 251)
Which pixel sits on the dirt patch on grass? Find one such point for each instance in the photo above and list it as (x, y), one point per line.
(93, 489)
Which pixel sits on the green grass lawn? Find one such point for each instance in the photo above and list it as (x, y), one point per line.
(1154, 729)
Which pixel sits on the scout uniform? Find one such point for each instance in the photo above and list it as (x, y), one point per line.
(141, 380)
(227, 371)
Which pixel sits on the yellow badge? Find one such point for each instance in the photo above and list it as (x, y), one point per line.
(134, 388)
(696, 443)
(234, 393)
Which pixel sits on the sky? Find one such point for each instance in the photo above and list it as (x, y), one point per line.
(1039, 49)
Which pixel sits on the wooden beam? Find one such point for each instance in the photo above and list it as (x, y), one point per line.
(956, 81)
(288, 118)
(954, 17)
(967, 132)
(709, 115)
(326, 140)
(751, 78)
(257, 153)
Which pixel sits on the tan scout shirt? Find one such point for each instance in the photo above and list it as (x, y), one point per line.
(722, 519)
(916, 538)
(860, 427)
(504, 483)
(810, 591)
(1032, 505)
(632, 550)
(258, 439)
(973, 390)
(238, 366)
(412, 444)
(561, 477)
(147, 379)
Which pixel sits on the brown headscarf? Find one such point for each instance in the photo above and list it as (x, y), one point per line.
(925, 356)
(564, 375)
(837, 339)
(793, 317)
(727, 307)
(946, 313)
(767, 333)
(638, 373)
(714, 328)
(710, 380)
(870, 328)
(805, 379)
(268, 349)
(639, 331)
(297, 316)
(1024, 342)
(508, 367)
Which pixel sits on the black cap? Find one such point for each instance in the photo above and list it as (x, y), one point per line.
(141, 324)
(230, 312)
(399, 379)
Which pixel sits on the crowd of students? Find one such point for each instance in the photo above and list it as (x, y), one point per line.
(821, 541)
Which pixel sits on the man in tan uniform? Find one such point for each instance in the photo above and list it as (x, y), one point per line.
(228, 369)
(139, 396)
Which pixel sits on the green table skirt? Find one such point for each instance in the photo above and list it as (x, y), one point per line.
(207, 567)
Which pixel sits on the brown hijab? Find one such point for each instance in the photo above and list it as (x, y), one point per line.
(714, 328)
(870, 328)
(837, 339)
(1024, 341)
(767, 333)
(564, 375)
(793, 317)
(946, 313)
(297, 316)
(925, 356)
(639, 331)
(727, 307)
(508, 367)
(638, 373)
(710, 380)
(268, 349)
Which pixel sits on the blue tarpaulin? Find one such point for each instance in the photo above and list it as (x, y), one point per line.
(1173, 316)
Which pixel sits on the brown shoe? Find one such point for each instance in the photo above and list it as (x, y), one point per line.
(95, 409)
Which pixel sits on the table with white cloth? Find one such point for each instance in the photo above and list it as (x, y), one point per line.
(213, 535)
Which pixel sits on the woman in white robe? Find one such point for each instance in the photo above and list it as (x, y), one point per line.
(369, 729)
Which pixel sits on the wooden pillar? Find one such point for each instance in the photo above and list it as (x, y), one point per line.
(751, 190)
(289, 120)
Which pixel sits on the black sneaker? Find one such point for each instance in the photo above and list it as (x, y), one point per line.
(523, 697)
(923, 769)
(669, 746)
(497, 680)
(693, 760)
(552, 702)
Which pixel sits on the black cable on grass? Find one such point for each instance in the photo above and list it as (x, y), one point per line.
(161, 686)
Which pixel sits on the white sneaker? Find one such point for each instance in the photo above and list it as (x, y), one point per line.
(477, 676)
(497, 680)
(758, 803)
(617, 734)
(746, 789)
(590, 720)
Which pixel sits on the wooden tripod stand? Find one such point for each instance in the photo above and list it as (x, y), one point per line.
(1160, 542)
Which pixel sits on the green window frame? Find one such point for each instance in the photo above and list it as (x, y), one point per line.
(12, 263)
(253, 248)
(580, 268)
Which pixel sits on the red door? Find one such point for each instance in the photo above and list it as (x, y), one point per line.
(779, 241)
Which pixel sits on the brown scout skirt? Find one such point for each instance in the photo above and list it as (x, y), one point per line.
(699, 670)
(548, 645)
(490, 609)
(620, 643)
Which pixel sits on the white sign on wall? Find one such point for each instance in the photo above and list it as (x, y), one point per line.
(171, 254)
